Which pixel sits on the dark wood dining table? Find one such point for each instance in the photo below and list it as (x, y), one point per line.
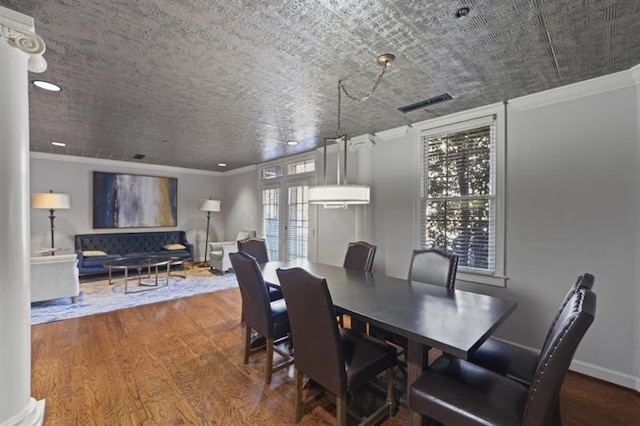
(429, 316)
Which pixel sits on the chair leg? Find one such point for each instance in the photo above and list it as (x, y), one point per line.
(247, 343)
(297, 415)
(341, 411)
(390, 400)
(269, 360)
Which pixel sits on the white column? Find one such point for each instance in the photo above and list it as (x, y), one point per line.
(635, 74)
(18, 44)
(363, 146)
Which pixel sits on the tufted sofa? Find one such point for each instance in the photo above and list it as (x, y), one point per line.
(127, 244)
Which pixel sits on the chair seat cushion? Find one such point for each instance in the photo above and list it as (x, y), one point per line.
(275, 292)
(217, 253)
(506, 359)
(280, 318)
(454, 391)
(364, 357)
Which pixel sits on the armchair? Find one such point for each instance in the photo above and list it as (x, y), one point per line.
(219, 251)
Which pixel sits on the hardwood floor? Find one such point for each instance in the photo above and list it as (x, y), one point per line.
(180, 362)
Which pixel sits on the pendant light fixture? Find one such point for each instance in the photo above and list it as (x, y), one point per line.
(342, 194)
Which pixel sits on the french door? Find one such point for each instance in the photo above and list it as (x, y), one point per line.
(287, 220)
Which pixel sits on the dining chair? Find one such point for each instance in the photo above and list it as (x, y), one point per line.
(516, 362)
(433, 266)
(266, 317)
(455, 391)
(257, 247)
(360, 255)
(338, 359)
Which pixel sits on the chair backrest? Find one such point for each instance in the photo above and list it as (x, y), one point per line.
(255, 297)
(256, 247)
(556, 356)
(433, 266)
(583, 281)
(360, 256)
(316, 340)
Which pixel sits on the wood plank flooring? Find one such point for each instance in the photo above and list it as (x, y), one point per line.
(180, 363)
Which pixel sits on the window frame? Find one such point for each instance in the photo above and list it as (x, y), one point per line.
(460, 122)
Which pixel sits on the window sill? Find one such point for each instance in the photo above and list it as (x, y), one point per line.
(481, 279)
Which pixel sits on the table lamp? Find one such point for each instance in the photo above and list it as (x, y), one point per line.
(52, 202)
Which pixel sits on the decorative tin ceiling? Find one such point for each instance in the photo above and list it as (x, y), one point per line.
(191, 83)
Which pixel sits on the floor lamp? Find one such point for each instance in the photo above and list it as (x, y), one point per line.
(208, 206)
(52, 202)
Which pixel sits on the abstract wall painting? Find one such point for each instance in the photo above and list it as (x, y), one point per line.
(134, 201)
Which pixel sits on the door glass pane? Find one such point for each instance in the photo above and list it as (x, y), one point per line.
(298, 223)
(270, 218)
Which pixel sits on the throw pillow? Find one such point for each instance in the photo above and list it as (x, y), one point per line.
(174, 247)
(90, 253)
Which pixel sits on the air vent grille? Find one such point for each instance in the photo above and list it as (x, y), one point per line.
(427, 102)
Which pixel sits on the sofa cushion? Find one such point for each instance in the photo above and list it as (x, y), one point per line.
(173, 247)
(92, 253)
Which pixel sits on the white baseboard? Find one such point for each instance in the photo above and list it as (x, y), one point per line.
(596, 371)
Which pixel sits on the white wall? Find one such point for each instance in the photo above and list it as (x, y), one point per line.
(239, 202)
(74, 176)
(572, 207)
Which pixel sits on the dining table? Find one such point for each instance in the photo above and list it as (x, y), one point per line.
(456, 322)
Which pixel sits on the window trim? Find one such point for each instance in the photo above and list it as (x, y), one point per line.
(453, 122)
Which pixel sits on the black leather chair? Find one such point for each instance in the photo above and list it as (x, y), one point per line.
(433, 266)
(429, 266)
(257, 247)
(268, 318)
(340, 360)
(513, 361)
(360, 256)
(454, 391)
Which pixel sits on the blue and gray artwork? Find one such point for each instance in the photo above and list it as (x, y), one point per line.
(133, 201)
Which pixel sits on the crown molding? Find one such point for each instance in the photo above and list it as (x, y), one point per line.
(365, 141)
(117, 163)
(578, 90)
(395, 133)
(238, 171)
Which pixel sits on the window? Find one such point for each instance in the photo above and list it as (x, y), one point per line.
(270, 220)
(271, 172)
(461, 191)
(304, 166)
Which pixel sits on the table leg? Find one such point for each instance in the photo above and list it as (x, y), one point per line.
(415, 356)
(169, 271)
(126, 280)
(110, 283)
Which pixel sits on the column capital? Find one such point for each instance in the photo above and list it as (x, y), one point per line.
(18, 30)
(365, 141)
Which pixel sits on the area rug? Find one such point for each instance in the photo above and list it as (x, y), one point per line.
(98, 296)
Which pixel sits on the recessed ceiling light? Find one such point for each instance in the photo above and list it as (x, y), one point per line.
(292, 143)
(46, 85)
(222, 164)
(58, 144)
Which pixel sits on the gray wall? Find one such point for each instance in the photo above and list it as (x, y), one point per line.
(74, 176)
(239, 202)
(572, 207)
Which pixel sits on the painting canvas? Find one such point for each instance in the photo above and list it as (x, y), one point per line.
(134, 201)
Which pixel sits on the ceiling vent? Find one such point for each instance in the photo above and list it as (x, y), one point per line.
(139, 156)
(426, 103)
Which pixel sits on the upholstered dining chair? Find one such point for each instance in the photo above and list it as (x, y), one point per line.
(516, 362)
(455, 391)
(257, 247)
(433, 266)
(340, 360)
(268, 318)
(360, 255)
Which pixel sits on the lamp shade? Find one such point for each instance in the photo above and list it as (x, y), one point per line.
(339, 194)
(49, 200)
(210, 205)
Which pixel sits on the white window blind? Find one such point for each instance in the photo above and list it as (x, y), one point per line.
(297, 230)
(458, 192)
(270, 220)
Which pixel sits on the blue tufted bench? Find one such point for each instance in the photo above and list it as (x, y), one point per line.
(127, 244)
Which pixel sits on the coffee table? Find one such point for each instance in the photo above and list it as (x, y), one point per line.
(140, 264)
